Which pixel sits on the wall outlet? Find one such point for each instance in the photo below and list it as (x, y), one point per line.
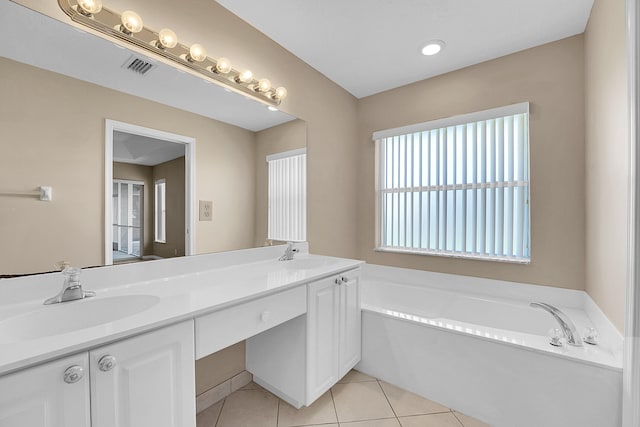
(206, 210)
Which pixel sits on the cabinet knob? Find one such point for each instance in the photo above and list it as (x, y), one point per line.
(73, 374)
(106, 363)
(265, 316)
(344, 279)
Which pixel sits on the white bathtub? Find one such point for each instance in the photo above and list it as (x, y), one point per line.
(476, 346)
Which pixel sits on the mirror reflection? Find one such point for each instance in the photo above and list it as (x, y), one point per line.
(53, 134)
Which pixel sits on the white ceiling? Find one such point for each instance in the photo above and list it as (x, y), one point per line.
(369, 46)
(41, 41)
(142, 150)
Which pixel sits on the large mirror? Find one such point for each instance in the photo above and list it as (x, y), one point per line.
(61, 87)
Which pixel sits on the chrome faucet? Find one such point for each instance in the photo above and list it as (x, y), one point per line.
(567, 326)
(71, 289)
(288, 253)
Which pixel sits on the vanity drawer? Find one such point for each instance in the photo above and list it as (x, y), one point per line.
(218, 330)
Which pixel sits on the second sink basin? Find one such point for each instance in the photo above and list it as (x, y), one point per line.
(71, 316)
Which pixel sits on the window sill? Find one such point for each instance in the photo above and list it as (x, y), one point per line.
(478, 257)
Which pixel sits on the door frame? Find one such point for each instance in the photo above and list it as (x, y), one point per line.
(190, 172)
(631, 364)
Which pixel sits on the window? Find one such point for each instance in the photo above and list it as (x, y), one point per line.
(288, 196)
(456, 187)
(161, 211)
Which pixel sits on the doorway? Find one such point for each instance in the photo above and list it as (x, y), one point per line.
(141, 223)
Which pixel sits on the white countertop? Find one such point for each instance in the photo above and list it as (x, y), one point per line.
(195, 289)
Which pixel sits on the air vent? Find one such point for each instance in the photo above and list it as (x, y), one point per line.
(138, 66)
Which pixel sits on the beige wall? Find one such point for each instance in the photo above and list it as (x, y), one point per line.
(607, 171)
(142, 173)
(65, 150)
(551, 78)
(285, 137)
(219, 367)
(173, 172)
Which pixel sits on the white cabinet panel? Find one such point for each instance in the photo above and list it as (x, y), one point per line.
(223, 328)
(147, 380)
(350, 322)
(40, 397)
(301, 359)
(323, 336)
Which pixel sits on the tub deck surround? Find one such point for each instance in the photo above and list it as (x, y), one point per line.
(186, 288)
(491, 310)
(475, 345)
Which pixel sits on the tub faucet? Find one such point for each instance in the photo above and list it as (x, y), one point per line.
(71, 288)
(567, 326)
(288, 253)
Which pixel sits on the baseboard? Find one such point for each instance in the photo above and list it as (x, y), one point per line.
(222, 390)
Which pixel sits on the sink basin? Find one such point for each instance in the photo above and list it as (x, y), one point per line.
(306, 263)
(71, 316)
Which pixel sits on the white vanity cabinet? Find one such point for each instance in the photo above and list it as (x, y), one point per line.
(301, 359)
(146, 380)
(54, 394)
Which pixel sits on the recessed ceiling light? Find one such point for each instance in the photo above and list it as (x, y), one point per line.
(432, 47)
(270, 108)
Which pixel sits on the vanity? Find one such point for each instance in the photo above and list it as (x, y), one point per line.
(126, 356)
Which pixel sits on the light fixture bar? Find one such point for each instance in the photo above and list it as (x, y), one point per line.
(108, 22)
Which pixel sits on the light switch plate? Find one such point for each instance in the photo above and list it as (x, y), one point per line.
(206, 210)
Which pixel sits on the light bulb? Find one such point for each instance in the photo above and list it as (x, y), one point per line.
(89, 7)
(264, 85)
(223, 66)
(131, 22)
(167, 39)
(432, 47)
(245, 77)
(197, 53)
(281, 93)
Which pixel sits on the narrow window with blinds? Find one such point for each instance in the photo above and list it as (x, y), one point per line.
(288, 196)
(456, 187)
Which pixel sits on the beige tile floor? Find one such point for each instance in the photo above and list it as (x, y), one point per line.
(357, 400)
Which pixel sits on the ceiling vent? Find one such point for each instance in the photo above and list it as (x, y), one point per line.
(138, 66)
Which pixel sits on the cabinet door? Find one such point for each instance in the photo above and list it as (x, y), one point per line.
(350, 321)
(322, 339)
(148, 380)
(40, 397)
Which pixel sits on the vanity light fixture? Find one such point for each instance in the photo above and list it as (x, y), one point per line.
(128, 27)
(167, 39)
(89, 7)
(245, 76)
(131, 22)
(223, 66)
(264, 85)
(432, 47)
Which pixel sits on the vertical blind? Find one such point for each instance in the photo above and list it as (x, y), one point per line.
(457, 187)
(288, 196)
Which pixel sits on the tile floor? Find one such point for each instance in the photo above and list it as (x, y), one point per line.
(357, 400)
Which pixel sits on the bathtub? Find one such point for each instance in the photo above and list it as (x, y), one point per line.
(476, 346)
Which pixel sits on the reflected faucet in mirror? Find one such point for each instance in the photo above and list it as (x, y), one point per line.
(288, 252)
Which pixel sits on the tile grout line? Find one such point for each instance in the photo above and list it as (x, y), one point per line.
(335, 410)
(388, 401)
(220, 413)
(459, 420)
